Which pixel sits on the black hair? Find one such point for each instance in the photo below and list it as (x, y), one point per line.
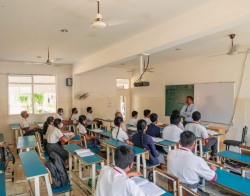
(153, 117)
(141, 124)
(81, 119)
(187, 138)
(190, 97)
(146, 112)
(175, 120)
(46, 124)
(196, 116)
(89, 108)
(73, 110)
(59, 110)
(57, 121)
(118, 120)
(176, 113)
(134, 113)
(124, 156)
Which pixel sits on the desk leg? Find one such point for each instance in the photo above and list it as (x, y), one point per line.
(37, 188)
(144, 165)
(16, 137)
(201, 150)
(102, 164)
(70, 166)
(80, 169)
(48, 185)
(113, 156)
(108, 154)
(93, 179)
(27, 149)
(218, 144)
(169, 148)
(218, 159)
(75, 162)
(138, 163)
(175, 146)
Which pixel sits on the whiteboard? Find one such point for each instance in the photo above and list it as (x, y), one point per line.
(215, 101)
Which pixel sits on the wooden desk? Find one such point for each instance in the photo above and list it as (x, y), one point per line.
(220, 130)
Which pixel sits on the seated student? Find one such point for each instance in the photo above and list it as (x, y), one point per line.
(146, 116)
(90, 118)
(177, 113)
(47, 126)
(188, 167)
(115, 181)
(119, 114)
(24, 124)
(133, 120)
(59, 115)
(74, 116)
(82, 129)
(118, 133)
(200, 131)
(145, 141)
(56, 139)
(172, 132)
(152, 129)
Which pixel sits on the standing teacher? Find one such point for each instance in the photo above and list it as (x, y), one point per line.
(187, 110)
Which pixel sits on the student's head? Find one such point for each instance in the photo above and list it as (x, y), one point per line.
(147, 113)
(124, 157)
(175, 113)
(188, 140)
(82, 119)
(49, 121)
(57, 123)
(154, 118)
(118, 121)
(89, 109)
(141, 127)
(74, 111)
(189, 100)
(196, 116)
(175, 120)
(24, 114)
(60, 111)
(134, 114)
(118, 114)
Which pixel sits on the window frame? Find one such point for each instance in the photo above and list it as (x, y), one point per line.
(32, 84)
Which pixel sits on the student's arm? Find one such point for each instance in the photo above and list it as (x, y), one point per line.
(206, 171)
(194, 108)
(89, 137)
(158, 133)
(204, 134)
(66, 131)
(152, 147)
(65, 122)
(65, 140)
(128, 142)
(183, 113)
(29, 130)
(136, 173)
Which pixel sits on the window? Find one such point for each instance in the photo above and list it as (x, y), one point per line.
(123, 106)
(36, 94)
(122, 83)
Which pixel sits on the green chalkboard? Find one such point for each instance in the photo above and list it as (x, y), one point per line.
(176, 97)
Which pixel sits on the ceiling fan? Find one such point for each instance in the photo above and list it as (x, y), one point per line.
(233, 50)
(48, 62)
(148, 70)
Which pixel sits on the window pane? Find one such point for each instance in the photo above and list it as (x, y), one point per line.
(44, 99)
(20, 98)
(20, 79)
(44, 79)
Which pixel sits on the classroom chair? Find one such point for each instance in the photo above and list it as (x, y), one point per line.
(43, 155)
(229, 143)
(185, 191)
(112, 127)
(245, 170)
(244, 149)
(103, 127)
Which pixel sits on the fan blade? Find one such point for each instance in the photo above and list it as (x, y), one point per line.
(28, 63)
(150, 71)
(94, 33)
(217, 55)
(57, 59)
(137, 18)
(57, 65)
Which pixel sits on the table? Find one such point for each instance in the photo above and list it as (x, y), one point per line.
(37, 124)
(15, 127)
(89, 160)
(105, 133)
(243, 158)
(221, 138)
(70, 125)
(1, 137)
(166, 143)
(92, 123)
(106, 120)
(75, 140)
(26, 142)
(33, 169)
(138, 151)
(2, 184)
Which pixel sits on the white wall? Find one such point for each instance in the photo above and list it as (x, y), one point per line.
(63, 93)
(190, 71)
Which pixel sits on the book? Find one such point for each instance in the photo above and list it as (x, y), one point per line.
(205, 125)
(68, 134)
(84, 152)
(149, 188)
(97, 130)
(157, 139)
(40, 125)
(212, 132)
(159, 124)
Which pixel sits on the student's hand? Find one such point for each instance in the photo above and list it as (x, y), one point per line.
(35, 129)
(136, 173)
(68, 131)
(212, 167)
(72, 136)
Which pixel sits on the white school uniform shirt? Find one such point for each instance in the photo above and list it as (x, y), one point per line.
(50, 127)
(133, 121)
(74, 117)
(188, 167)
(24, 123)
(188, 114)
(197, 129)
(147, 120)
(54, 135)
(180, 126)
(122, 136)
(89, 117)
(171, 133)
(81, 129)
(58, 116)
(114, 182)
(124, 127)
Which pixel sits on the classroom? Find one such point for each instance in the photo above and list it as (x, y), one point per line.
(116, 98)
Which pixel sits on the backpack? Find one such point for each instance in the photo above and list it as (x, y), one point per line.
(5, 156)
(58, 171)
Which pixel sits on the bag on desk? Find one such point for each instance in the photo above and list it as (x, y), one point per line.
(58, 171)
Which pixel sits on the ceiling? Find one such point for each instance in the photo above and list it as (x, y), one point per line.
(212, 45)
(28, 27)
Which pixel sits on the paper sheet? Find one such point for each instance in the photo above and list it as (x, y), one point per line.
(139, 181)
(156, 139)
(151, 189)
(212, 132)
(40, 125)
(97, 130)
(68, 134)
(205, 125)
(159, 124)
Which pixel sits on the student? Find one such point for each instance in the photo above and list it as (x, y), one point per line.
(133, 120)
(47, 126)
(82, 129)
(59, 115)
(115, 181)
(24, 124)
(177, 113)
(118, 133)
(187, 110)
(200, 131)
(56, 139)
(90, 118)
(74, 116)
(145, 141)
(119, 114)
(188, 167)
(172, 132)
(146, 116)
(152, 129)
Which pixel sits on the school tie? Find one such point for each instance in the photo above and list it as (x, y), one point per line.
(186, 109)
